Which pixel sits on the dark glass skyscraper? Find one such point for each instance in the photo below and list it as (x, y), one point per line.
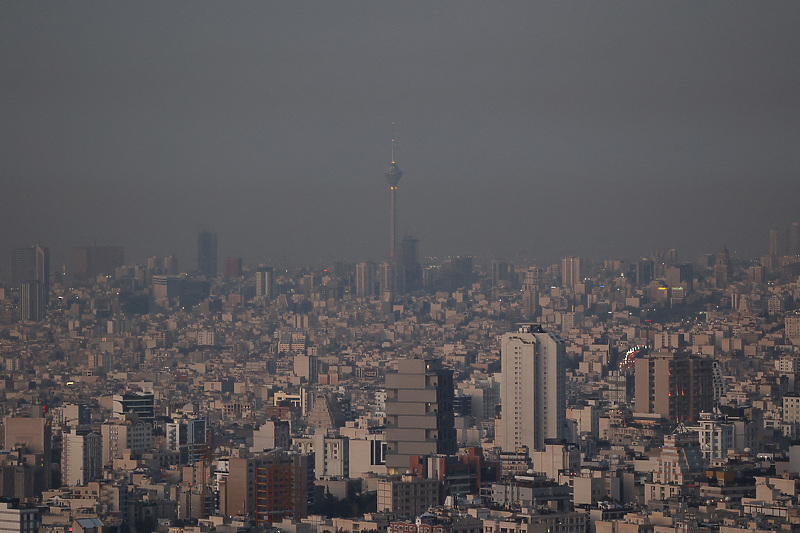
(207, 254)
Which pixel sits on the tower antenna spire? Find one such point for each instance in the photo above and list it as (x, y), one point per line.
(392, 141)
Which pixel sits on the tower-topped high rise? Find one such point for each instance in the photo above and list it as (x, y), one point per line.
(393, 175)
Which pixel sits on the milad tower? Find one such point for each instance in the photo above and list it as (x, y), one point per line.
(393, 175)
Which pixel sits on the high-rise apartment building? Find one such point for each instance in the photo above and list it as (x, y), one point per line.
(419, 412)
(32, 301)
(233, 267)
(672, 257)
(269, 486)
(716, 436)
(30, 270)
(501, 273)
(207, 254)
(532, 388)
(189, 437)
(570, 272)
(775, 247)
(23, 265)
(792, 328)
(163, 266)
(645, 272)
(677, 386)
(129, 433)
(81, 457)
(793, 239)
(273, 433)
(365, 279)
(139, 403)
(456, 272)
(91, 261)
(409, 260)
(680, 276)
(265, 282)
(31, 263)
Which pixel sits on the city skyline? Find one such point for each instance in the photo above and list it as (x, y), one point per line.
(787, 241)
(532, 131)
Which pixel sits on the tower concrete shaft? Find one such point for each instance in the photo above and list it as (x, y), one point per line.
(393, 222)
(393, 175)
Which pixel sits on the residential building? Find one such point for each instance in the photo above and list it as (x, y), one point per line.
(407, 495)
(17, 518)
(571, 272)
(678, 386)
(126, 433)
(419, 412)
(269, 486)
(81, 457)
(532, 388)
(138, 403)
(265, 282)
(189, 437)
(365, 279)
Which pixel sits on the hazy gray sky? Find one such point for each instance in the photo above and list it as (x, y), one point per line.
(524, 129)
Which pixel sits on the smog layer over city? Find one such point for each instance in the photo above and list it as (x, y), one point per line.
(399, 267)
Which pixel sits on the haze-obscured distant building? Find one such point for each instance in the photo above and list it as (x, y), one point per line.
(92, 261)
(409, 259)
(233, 267)
(207, 254)
(793, 239)
(32, 301)
(265, 282)
(570, 272)
(681, 276)
(455, 272)
(365, 279)
(775, 247)
(645, 272)
(32, 263)
(187, 292)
